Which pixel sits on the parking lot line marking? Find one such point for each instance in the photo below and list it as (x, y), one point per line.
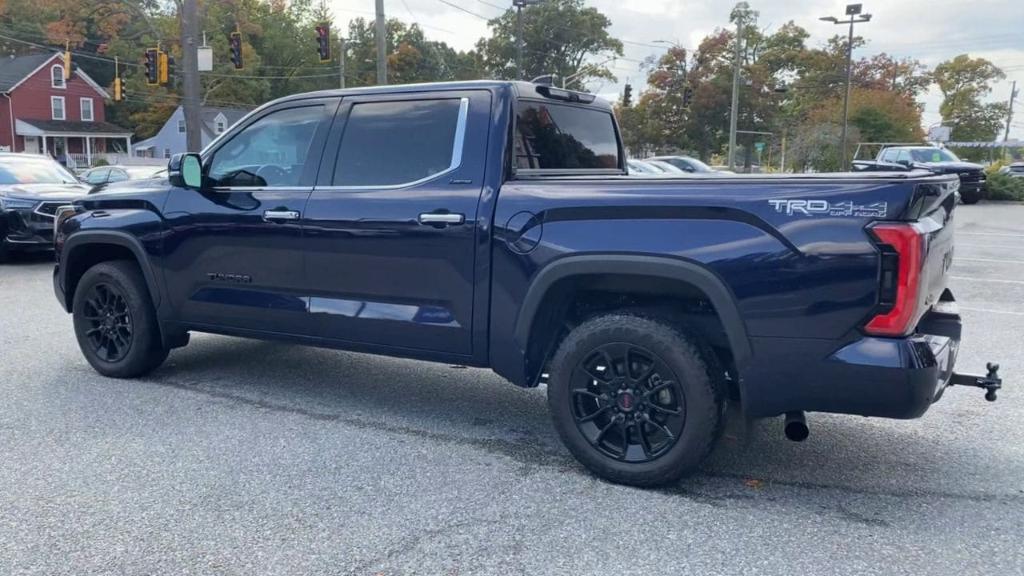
(969, 244)
(989, 260)
(987, 280)
(990, 234)
(992, 311)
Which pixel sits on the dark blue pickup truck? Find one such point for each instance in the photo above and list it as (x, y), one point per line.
(493, 224)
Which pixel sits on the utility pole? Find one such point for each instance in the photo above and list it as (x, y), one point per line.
(382, 52)
(341, 60)
(734, 111)
(1009, 115)
(854, 12)
(190, 71)
(520, 4)
(519, 39)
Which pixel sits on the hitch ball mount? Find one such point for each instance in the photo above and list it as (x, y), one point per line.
(991, 382)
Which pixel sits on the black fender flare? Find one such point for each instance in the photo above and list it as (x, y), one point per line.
(118, 238)
(690, 272)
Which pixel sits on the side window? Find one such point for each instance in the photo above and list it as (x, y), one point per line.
(889, 155)
(272, 151)
(395, 143)
(560, 137)
(903, 156)
(117, 175)
(98, 176)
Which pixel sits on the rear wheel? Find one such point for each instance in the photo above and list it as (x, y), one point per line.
(115, 322)
(635, 400)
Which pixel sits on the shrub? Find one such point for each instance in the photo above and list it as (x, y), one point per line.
(100, 162)
(1004, 187)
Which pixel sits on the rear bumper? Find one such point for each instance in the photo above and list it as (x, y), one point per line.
(884, 377)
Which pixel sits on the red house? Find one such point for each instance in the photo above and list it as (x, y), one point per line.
(41, 112)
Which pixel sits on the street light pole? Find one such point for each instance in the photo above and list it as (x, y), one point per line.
(382, 55)
(854, 12)
(734, 110)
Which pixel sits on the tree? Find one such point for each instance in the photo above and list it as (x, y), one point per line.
(411, 56)
(964, 81)
(559, 36)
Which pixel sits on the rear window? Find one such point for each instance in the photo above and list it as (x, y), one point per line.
(563, 137)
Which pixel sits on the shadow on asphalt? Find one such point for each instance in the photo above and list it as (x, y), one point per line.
(477, 409)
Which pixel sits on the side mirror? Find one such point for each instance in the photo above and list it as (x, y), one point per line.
(185, 171)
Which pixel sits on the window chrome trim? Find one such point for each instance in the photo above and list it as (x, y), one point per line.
(455, 164)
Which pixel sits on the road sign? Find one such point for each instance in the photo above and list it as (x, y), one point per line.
(759, 146)
(939, 133)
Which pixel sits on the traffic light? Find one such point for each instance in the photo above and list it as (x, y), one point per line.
(323, 39)
(169, 70)
(627, 96)
(161, 59)
(687, 96)
(67, 65)
(236, 50)
(117, 89)
(152, 66)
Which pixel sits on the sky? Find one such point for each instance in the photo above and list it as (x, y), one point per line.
(930, 30)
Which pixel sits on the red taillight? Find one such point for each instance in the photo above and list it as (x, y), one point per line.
(902, 251)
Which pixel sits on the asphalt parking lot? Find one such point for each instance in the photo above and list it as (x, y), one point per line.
(241, 457)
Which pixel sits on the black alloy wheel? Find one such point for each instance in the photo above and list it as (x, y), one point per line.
(115, 320)
(627, 402)
(110, 322)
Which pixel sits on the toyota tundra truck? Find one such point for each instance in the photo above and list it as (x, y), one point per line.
(494, 224)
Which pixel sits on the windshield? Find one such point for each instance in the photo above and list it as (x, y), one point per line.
(26, 170)
(699, 166)
(933, 155)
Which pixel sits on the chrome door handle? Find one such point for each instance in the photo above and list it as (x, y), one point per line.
(280, 214)
(440, 218)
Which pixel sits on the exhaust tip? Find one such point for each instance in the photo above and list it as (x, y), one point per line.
(795, 427)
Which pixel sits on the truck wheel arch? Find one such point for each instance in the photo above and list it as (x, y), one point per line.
(116, 243)
(688, 272)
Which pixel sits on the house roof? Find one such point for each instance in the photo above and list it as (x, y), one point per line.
(14, 69)
(208, 115)
(25, 128)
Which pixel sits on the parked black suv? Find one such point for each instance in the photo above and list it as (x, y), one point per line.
(32, 187)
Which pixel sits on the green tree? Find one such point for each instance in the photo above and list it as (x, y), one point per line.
(560, 37)
(964, 81)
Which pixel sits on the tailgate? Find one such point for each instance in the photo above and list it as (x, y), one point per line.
(938, 203)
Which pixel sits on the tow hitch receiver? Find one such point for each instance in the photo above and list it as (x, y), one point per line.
(991, 382)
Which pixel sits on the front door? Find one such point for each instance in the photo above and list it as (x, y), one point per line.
(32, 144)
(234, 253)
(391, 226)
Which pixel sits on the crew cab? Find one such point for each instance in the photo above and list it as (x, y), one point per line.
(493, 224)
(933, 159)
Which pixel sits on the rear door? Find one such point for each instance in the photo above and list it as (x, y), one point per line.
(391, 227)
(234, 252)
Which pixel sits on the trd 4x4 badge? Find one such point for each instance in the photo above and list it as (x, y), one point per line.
(826, 208)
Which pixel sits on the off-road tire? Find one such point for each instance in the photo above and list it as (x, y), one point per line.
(699, 377)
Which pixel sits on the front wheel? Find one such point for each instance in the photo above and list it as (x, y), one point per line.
(635, 400)
(115, 322)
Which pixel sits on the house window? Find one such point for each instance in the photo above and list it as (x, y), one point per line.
(181, 126)
(57, 76)
(57, 107)
(86, 109)
(220, 126)
(167, 152)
